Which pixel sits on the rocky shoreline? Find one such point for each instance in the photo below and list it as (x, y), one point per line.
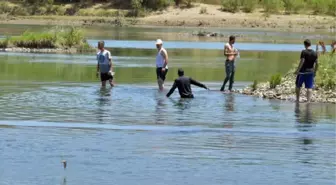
(40, 50)
(286, 91)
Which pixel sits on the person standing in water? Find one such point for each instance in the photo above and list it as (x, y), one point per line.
(230, 52)
(104, 65)
(183, 85)
(161, 64)
(306, 70)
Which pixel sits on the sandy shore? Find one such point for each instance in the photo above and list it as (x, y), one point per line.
(177, 17)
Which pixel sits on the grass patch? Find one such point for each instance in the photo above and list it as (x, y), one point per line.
(57, 37)
(230, 5)
(326, 73)
(275, 80)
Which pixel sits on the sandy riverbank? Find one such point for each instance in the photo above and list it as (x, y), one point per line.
(191, 17)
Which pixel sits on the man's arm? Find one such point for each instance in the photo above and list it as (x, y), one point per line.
(172, 89)
(165, 56)
(110, 61)
(97, 66)
(302, 59)
(194, 82)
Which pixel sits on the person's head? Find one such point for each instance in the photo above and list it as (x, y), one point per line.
(101, 45)
(158, 44)
(307, 43)
(180, 72)
(232, 39)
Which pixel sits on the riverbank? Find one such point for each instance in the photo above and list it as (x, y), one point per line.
(191, 17)
(324, 91)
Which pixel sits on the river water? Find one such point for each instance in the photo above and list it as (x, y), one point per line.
(52, 109)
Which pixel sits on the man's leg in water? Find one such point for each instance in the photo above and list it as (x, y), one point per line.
(160, 83)
(231, 79)
(103, 83)
(298, 83)
(228, 74)
(309, 84)
(111, 82)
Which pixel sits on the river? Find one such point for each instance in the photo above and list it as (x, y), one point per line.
(52, 109)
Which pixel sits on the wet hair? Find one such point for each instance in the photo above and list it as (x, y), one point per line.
(101, 43)
(307, 42)
(232, 37)
(180, 72)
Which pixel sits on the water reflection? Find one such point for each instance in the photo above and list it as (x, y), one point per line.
(103, 100)
(160, 109)
(304, 121)
(230, 102)
(304, 114)
(64, 181)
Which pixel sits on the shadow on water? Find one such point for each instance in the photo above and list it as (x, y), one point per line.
(103, 101)
(64, 181)
(160, 109)
(230, 102)
(304, 120)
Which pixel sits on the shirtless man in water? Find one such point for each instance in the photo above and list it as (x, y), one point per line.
(230, 52)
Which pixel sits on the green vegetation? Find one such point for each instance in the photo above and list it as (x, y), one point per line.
(203, 10)
(277, 6)
(130, 8)
(275, 80)
(231, 5)
(54, 38)
(326, 73)
(254, 85)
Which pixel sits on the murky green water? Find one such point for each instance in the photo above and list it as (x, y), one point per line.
(52, 108)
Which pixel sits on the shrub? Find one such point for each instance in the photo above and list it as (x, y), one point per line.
(320, 6)
(189, 3)
(254, 85)
(275, 80)
(5, 8)
(326, 73)
(293, 6)
(272, 6)
(230, 5)
(54, 38)
(4, 43)
(249, 5)
(203, 10)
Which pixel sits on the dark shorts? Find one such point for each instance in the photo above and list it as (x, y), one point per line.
(160, 74)
(307, 79)
(105, 77)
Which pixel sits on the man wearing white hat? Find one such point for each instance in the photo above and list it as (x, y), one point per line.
(161, 63)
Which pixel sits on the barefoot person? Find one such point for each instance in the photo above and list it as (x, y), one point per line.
(104, 65)
(306, 70)
(161, 64)
(230, 52)
(183, 85)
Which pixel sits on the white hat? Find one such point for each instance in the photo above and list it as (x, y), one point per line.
(159, 41)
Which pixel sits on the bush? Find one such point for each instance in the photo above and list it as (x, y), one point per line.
(322, 6)
(5, 8)
(275, 80)
(249, 5)
(54, 38)
(4, 43)
(326, 73)
(254, 85)
(272, 6)
(203, 10)
(230, 5)
(293, 6)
